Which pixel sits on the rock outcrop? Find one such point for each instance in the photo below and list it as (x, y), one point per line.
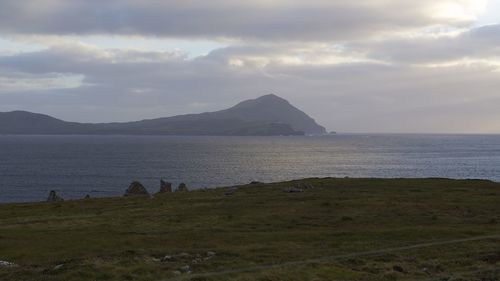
(165, 186)
(136, 189)
(53, 197)
(182, 188)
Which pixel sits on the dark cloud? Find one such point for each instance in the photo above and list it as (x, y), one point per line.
(319, 20)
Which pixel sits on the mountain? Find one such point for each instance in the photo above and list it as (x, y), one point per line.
(271, 108)
(264, 116)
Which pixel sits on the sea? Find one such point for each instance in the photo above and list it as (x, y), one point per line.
(102, 166)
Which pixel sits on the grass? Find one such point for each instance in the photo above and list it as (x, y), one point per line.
(128, 238)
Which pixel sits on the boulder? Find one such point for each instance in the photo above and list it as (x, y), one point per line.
(53, 197)
(165, 187)
(136, 189)
(182, 188)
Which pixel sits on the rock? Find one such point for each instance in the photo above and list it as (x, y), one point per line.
(7, 264)
(53, 197)
(293, 190)
(255, 182)
(167, 258)
(209, 255)
(87, 197)
(184, 255)
(165, 187)
(185, 269)
(176, 272)
(59, 266)
(182, 188)
(198, 258)
(136, 189)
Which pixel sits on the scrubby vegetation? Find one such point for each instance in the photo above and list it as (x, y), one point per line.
(336, 229)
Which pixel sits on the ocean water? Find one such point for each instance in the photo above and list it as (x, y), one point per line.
(31, 166)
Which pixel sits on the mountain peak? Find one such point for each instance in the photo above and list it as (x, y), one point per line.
(272, 108)
(271, 97)
(266, 100)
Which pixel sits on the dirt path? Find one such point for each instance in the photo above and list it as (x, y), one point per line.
(332, 258)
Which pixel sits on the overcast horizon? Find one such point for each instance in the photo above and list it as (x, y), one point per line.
(378, 66)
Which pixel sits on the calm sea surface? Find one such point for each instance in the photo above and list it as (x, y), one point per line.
(31, 166)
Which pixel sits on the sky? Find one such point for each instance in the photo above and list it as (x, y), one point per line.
(378, 66)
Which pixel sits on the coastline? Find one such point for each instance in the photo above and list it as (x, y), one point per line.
(152, 192)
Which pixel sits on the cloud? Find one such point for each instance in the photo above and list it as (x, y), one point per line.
(123, 85)
(316, 20)
(481, 43)
(20, 82)
(357, 66)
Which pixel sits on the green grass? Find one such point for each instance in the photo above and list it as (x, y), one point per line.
(126, 238)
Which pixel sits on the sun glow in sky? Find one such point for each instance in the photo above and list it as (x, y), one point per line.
(491, 14)
(462, 10)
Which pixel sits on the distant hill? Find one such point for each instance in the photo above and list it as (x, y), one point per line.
(265, 116)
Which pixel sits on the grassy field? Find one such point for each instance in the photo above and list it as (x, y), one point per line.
(342, 229)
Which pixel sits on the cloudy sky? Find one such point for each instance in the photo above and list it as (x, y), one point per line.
(355, 66)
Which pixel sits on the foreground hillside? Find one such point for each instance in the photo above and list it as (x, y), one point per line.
(342, 229)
